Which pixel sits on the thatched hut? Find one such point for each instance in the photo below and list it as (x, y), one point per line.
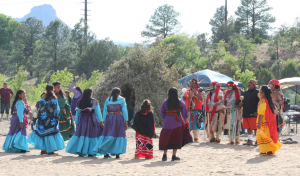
(144, 75)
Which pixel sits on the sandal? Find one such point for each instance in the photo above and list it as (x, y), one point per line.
(237, 142)
(218, 141)
(213, 140)
(231, 143)
(196, 140)
(44, 152)
(52, 153)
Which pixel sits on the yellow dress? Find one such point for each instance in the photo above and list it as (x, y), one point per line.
(264, 141)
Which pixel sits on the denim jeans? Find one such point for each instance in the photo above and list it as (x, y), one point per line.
(5, 106)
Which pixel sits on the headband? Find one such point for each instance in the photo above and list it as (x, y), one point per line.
(274, 82)
(193, 81)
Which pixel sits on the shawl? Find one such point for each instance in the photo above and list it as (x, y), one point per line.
(271, 121)
(236, 91)
(144, 124)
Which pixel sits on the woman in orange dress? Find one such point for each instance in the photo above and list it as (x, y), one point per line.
(266, 135)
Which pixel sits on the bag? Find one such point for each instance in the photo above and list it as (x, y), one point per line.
(200, 116)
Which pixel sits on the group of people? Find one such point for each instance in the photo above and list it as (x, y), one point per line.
(93, 132)
(258, 111)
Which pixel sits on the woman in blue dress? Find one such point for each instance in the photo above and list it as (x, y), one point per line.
(16, 140)
(89, 125)
(45, 135)
(113, 139)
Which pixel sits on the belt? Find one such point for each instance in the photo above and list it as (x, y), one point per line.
(117, 112)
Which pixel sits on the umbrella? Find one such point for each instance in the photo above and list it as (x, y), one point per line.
(208, 77)
(289, 82)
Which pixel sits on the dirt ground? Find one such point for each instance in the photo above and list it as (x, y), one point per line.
(196, 159)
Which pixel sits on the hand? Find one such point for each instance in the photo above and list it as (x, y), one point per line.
(101, 125)
(241, 104)
(255, 114)
(126, 126)
(258, 125)
(21, 125)
(64, 111)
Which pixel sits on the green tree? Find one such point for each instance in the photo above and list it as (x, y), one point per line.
(55, 51)
(18, 81)
(254, 18)
(3, 60)
(264, 75)
(79, 37)
(25, 37)
(185, 52)
(163, 22)
(277, 45)
(245, 77)
(98, 56)
(91, 82)
(245, 49)
(289, 70)
(203, 43)
(64, 77)
(218, 20)
(7, 27)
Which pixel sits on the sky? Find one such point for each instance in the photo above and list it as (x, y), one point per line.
(123, 20)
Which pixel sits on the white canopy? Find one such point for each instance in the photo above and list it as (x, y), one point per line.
(289, 82)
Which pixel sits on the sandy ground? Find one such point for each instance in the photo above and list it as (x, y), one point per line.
(196, 159)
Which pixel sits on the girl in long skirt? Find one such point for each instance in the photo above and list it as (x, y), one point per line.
(175, 132)
(77, 95)
(67, 125)
(45, 135)
(16, 140)
(143, 124)
(266, 136)
(89, 126)
(113, 139)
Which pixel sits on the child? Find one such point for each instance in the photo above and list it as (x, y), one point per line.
(69, 99)
(16, 140)
(45, 135)
(28, 111)
(113, 139)
(77, 95)
(266, 135)
(143, 124)
(89, 126)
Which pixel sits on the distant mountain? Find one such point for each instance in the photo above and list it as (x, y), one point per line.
(124, 44)
(45, 13)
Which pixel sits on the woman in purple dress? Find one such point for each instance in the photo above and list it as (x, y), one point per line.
(175, 132)
(77, 95)
(16, 140)
(89, 125)
(113, 139)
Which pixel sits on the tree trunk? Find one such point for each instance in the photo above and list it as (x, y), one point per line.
(253, 22)
(277, 53)
(225, 12)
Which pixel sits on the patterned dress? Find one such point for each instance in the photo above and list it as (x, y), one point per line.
(88, 130)
(16, 140)
(45, 135)
(66, 123)
(113, 139)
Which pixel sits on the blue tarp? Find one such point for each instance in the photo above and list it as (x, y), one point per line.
(209, 76)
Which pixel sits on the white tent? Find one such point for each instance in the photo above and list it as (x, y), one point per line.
(289, 82)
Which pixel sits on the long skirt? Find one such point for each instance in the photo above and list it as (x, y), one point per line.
(264, 141)
(49, 143)
(113, 139)
(174, 138)
(144, 146)
(87, 134)
(16, 140)
(66, 126)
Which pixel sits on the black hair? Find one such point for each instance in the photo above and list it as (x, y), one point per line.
(146, 106)
(79, 89)
(85, 100)
(4, 83)
(61, 92)
(268, 92)
(50, 94)
(67, 92)
(115, 93)
(19, 92)
(173, 102)
(277, 87)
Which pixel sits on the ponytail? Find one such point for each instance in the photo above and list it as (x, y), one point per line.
(49, 95)
(19, 92)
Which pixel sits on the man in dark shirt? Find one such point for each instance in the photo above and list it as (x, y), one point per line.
(6, 94)
(250, 104)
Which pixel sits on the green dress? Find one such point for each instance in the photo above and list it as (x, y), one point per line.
(67, 125)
